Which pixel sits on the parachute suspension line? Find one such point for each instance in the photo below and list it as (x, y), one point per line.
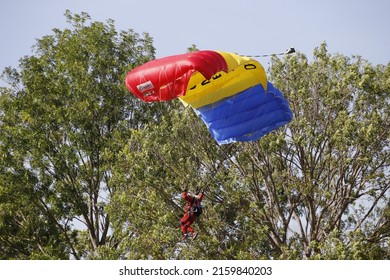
(289, 51)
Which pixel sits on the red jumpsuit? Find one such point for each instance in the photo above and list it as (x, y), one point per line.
(189, 217)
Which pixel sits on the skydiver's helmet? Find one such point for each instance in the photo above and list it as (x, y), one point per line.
(194, 194)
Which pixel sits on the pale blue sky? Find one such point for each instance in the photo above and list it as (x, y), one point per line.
(246, 26)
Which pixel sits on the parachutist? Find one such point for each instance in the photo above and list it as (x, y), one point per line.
(193, 210)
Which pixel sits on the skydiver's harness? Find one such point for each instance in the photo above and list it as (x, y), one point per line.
(196, 209)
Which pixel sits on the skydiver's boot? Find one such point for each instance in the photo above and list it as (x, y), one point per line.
(194, 235)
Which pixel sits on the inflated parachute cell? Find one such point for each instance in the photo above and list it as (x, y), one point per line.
(167, 78)
(246, 116)
(230, 93)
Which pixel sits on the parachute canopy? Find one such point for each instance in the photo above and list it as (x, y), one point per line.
(230, 93)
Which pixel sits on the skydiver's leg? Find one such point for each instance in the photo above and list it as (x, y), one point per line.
(184, 223)
(190, 229)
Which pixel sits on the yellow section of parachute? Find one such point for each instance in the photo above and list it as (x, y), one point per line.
(243, 73)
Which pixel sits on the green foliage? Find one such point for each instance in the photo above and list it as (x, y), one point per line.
(64, 119)
(193, 48)
(157, 164)
(317, 188)
(336, 149)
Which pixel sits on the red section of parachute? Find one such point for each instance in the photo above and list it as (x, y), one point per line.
(167, 78)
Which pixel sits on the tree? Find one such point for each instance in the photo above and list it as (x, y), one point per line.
(332, 169)
(64, 118)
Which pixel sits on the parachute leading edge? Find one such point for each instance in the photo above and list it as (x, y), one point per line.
(167, 78)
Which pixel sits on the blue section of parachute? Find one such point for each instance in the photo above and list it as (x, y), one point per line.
(246, 116)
